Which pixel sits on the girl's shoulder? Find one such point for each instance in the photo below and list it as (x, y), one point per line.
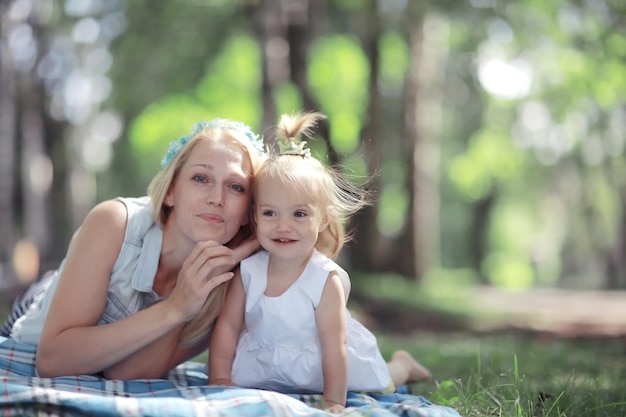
(317, 272)
(254, 265)
(258, 259)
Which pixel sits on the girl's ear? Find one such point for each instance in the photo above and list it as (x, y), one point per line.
(325, 223)
(326, 219)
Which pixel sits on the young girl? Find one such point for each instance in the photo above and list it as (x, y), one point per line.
(284, 325)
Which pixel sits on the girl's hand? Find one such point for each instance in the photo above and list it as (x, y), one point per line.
(330, 406)
(207, 266)
(334, 408)
(222, 382)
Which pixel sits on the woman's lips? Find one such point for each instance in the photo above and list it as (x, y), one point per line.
(211, 218)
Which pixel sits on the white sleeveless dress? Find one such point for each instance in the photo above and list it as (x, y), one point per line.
(279, 348)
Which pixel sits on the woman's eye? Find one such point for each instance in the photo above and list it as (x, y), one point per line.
(238, 188)
(200, 178)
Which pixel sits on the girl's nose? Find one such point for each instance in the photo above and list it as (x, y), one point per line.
(284, 224)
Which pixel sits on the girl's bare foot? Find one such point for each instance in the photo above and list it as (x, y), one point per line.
(417, 371)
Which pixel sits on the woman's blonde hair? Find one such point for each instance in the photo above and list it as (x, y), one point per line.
(335, 197)
(219, 130)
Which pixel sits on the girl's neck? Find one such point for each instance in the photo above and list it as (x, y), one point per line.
(291, 264)
(282, 273)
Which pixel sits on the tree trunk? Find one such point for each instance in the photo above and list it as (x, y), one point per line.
(365, 254)
(36, 167)
(301, 21)
(428, 43)
(271, 35)
(477, 236)
(7, 144)
(615, 261)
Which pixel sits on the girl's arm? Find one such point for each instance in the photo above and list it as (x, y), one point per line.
(331, 325)
(226, 334)
(72, 343)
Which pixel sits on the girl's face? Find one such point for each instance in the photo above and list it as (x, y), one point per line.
(288, 222)
(211, 195)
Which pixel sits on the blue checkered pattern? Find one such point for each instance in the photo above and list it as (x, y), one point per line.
(183, 393)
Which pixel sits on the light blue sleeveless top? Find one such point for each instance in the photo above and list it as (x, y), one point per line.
(130, 287)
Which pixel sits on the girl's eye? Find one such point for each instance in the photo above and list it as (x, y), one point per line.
(299, 214)
(268, 213)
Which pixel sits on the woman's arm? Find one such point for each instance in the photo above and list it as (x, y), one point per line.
(226, 334)
(331, 326)
(152, 362)
(72, 343)
(142, 363)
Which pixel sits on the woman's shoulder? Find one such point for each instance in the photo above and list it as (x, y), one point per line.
(128, 216)
(137, 212)
(135, 205)
(114, 212)
(107, 213)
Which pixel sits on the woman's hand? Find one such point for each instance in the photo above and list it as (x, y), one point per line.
(245, 248)
(208, 265)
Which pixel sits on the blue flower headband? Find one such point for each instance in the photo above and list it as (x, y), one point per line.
(255, 140)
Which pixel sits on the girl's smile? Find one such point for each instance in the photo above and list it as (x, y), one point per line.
(288, 222)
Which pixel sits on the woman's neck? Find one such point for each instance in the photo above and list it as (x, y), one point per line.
(173, 254)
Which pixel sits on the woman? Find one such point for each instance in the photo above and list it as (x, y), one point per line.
(144, 278)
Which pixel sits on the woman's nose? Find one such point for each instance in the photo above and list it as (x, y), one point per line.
(216, 196)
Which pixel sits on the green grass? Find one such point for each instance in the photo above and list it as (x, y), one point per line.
(506, 375)
(516, 374)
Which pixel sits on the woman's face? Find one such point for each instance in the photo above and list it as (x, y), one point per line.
(211, 195)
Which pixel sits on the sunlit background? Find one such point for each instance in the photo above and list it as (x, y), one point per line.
(494, 130)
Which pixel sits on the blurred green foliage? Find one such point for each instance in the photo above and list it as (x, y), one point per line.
(520, 116)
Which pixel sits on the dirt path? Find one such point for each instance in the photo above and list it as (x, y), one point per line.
(561, 312)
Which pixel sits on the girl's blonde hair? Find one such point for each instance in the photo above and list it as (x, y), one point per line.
(335, 197)
(158, 188)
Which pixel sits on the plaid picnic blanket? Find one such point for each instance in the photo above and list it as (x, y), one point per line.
(183, 393)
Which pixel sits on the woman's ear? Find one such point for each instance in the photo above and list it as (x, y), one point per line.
(169, 200)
